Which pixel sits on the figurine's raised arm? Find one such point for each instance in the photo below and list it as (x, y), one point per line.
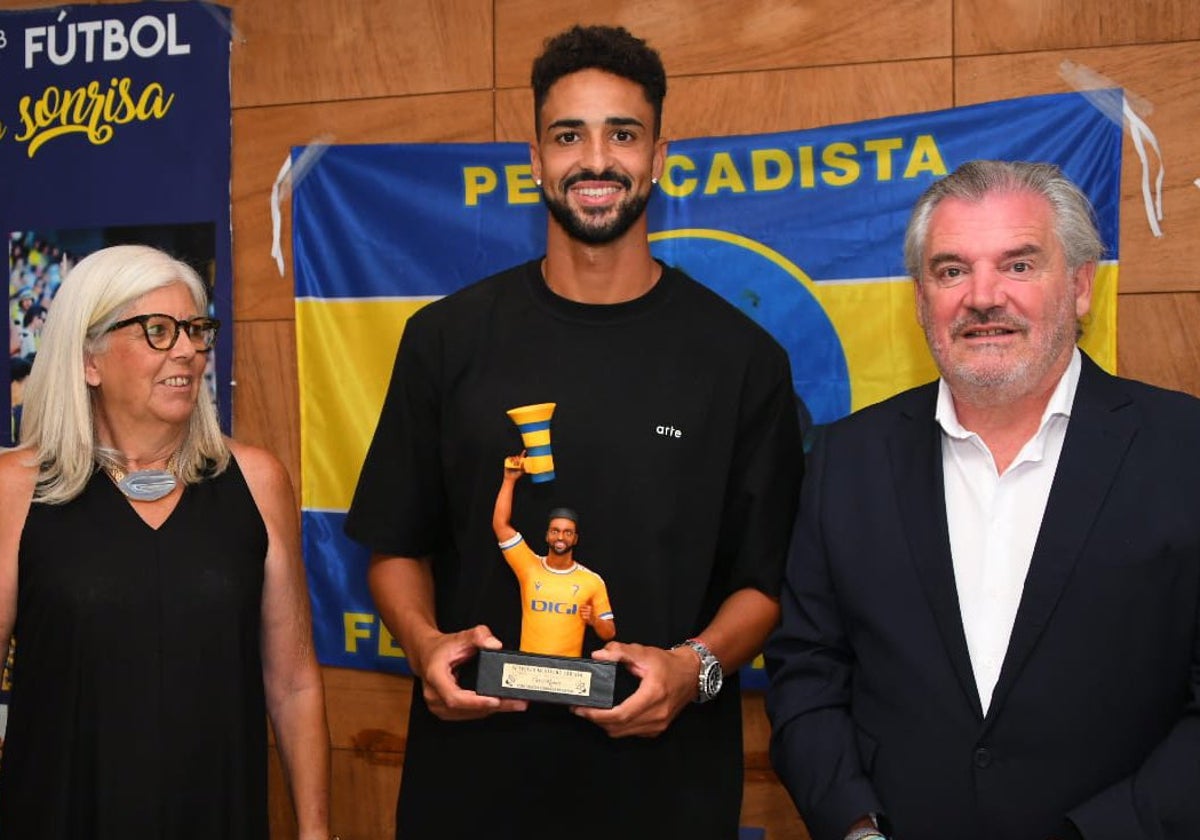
(502, 514)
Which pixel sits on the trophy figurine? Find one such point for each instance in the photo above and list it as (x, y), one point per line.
(560, 599)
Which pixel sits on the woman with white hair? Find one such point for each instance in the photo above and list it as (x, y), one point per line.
(150, 572)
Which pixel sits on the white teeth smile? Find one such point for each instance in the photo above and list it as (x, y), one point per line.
(597, 192)
(177, 381)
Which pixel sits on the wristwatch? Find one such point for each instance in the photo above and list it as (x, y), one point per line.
(866, 834)
(711, 675)
(870, 832)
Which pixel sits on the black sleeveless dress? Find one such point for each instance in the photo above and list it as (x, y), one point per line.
(137, 707)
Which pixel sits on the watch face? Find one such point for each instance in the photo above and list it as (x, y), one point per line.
(712, 680)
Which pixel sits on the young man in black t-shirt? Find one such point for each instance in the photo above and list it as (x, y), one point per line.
(676, 430)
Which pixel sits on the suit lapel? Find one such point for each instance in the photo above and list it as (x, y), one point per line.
(1098, 436)
(915, 454)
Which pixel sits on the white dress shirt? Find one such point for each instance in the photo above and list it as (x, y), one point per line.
(994, 521)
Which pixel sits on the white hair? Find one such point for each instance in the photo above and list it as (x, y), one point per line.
(58, 422)
(1074, 217)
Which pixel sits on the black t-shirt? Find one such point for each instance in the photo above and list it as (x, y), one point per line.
(674, 436)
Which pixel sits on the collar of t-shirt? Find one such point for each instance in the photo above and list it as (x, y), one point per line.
(994, 521)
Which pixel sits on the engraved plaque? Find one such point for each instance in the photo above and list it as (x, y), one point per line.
(548, 679)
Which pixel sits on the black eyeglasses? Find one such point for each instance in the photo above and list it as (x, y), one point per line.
(162, 331)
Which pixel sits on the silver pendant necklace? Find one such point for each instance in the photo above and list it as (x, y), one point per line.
(144, 485)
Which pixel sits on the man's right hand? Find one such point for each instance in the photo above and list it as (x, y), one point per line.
(440, 656)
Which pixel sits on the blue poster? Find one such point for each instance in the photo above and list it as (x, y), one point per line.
(114, 128)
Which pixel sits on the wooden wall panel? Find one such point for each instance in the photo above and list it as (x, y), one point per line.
(783, 100)
(368, 718)
(367, 711)
(319, 50)
(368, 722)
(765, 803)
(1013, 26)
(1165, 76)
(787, 100)
(262, 139)
(266, 399)
(716, 36)
(363, 801)
(1157, 339)
(756, 729)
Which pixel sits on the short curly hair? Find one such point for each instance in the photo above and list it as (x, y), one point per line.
(612, 49)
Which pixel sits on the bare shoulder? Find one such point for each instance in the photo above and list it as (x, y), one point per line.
(265, 474)
(18, 472)
(256, 463)
(18, 477)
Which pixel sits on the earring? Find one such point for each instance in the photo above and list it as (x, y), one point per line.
(537, 181)
(653, 180)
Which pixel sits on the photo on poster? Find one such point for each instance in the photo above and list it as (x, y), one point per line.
(40, 260)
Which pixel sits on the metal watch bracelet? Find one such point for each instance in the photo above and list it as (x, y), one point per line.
(866, 832)
(870, 833)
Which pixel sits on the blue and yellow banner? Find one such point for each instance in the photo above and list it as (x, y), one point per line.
(801, 230)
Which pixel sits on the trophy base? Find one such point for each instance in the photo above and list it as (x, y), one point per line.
(547, 679)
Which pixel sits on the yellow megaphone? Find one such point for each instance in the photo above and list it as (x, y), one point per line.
(533, 422)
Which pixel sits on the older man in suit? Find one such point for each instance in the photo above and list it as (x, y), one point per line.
(991, 620)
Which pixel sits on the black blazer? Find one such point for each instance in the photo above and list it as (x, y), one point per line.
(1096, 715)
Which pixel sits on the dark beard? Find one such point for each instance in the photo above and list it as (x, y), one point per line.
(628, 212)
